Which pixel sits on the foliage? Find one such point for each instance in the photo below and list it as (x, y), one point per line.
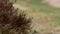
(9, 17)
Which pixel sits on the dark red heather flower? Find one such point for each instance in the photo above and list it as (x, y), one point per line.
(8, 15)
(6, 10)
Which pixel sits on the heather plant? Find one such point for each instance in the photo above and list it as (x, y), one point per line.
(10, 21)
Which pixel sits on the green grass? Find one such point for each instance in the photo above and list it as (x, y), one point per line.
(35, 1)
(44, 8)
(36, 5)
(12, 1)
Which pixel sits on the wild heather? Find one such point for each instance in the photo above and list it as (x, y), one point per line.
(8, 15)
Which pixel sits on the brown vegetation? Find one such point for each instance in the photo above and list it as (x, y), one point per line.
(8, 15)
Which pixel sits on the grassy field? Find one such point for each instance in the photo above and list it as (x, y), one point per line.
(47, 17)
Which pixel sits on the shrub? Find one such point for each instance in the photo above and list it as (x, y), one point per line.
(8, 15)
